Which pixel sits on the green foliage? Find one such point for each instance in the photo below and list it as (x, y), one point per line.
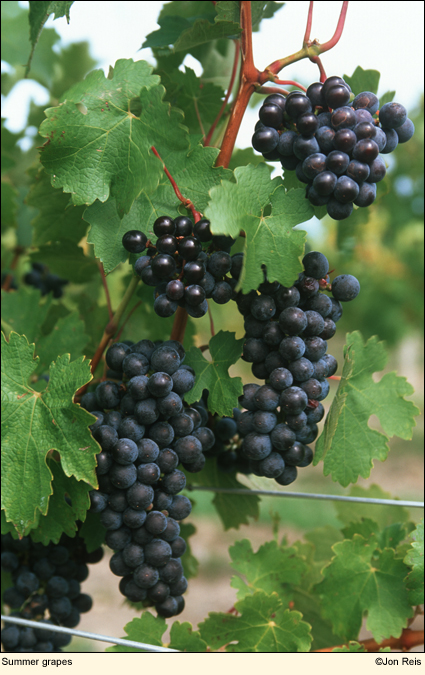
(213, 375)
(33, 424)
(348, 445)
(415, 559)
(270, 239)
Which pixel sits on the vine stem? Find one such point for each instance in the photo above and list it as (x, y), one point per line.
(207, 140)
(186, 202)
(311, 49)
(9, 277)
(248, 80)
(105, 286)
(407, 640)
(110, 331)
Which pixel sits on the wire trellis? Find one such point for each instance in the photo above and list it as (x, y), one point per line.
(308, 495)
(84, 634)
(237, 491)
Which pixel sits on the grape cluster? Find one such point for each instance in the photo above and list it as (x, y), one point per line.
(287, 330)
(145, 432)
(41, 278)
(183, 274)
(332, 140)
(45, 579)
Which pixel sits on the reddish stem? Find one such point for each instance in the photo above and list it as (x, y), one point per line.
(229, 91)
(9, 277)
(186, 202)
(309, 22)
(335, 377)
(338, 32)
(407, 640)
(290, 83)
(212, 329)
(318, 62)
(118, 335)
(179, 325)
(248, 80)
(105, 286)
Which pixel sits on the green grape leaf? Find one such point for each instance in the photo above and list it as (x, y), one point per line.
(148, 630)
(58, 219)
(67, 336)
(348, 445)
(189, 562)
(67, 260)
(272, 568)
(61, 517)
(360, 579)
(233, 509)
(92, 531)
(363, 80)
(264, 625)
(213, 375)
(186, 26)
(383, 515)
(24, 311)
(9, 206)
(270, 239)
(35, 423)
(185, 639)
(38, 14)
(200, 101)
(16, 50)
(352, 648)
(194, 174)
(107, 126)
(415, 559)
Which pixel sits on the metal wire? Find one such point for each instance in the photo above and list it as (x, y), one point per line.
(84, 634)
(308, 495)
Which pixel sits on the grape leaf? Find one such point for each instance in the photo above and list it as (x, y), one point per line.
(352, 648)
(348, 445)
(67, 259)
(415, 559)
(67, 336)
(194, 174)
(148, 629)
(363, 80)
(186, 26)
(38, 14)
(271, 568)
(362, 579)
(270, 239)
(61, 517)
(189, 562)
(9, 206)
(24, 311)
(233, 509)
(92, 531)
(213, 375)
(58, 219)
(99, 138)
(185, 639)
(200, 101)
(264, 625)
(34, 423)
(383, 515)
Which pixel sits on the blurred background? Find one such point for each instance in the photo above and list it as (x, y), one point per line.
(381, 245)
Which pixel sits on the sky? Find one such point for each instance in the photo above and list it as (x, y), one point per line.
(383, 36)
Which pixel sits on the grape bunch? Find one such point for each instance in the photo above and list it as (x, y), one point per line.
(286, 336)
(46, 579)
(332, 140)
(183, 274)
(145, 432)
(41, 278)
